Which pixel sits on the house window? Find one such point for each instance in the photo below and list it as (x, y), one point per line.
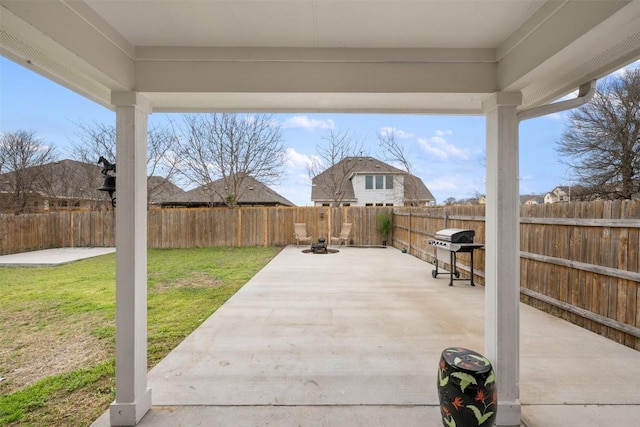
(388, 204)
(379, 182)
(368, 204)
(379, 204)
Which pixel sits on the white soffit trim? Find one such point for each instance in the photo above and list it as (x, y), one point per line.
(601, 50)
(401, 103)
(42, 53)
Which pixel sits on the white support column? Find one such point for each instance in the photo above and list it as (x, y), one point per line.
(502, 255)
(133, 397)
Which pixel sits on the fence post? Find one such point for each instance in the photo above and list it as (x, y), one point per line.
(265, 226)
(71, 231)
(329, 223)
(239, 242)
(409, 228)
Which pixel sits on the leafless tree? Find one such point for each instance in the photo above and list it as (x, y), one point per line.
(98, 139)
(450, 201)
(94, 140)
(396, 153)
(20, 153)
(331, 161)
(602, 144)
(225, 149)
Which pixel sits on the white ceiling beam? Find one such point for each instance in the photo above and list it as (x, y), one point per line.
(284, 54)
(387, 103)
(317, 77)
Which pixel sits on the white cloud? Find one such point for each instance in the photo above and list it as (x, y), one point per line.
(295, 185)
(442, 183)
(456, 185)
(304, 122)
(387, 130)
(444, 132)
(297, 160)
(438, 146)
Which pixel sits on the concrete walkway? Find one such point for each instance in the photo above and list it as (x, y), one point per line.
(354, 339)
(47, 257)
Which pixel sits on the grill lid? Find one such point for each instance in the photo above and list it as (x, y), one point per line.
(456, 235)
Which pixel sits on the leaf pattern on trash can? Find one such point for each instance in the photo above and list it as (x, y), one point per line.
(491, 378)
(482, 418)
(465, 380)
(443, 381)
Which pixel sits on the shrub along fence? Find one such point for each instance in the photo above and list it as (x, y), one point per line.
(579, 261)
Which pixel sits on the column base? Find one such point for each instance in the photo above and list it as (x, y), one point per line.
(508, 414)
(129, 414)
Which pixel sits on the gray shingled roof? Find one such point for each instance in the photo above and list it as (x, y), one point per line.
(252, 192)
(341, 173)
(72, 179)
(66, 179)
(163, 191)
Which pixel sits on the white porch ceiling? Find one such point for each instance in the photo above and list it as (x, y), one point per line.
(394, 56)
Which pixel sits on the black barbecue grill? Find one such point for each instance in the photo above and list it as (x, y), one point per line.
(453, 241)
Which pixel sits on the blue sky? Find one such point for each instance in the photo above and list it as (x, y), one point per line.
(447, 152)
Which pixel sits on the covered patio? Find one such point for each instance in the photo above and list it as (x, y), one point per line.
(506, 60)
(354, 339)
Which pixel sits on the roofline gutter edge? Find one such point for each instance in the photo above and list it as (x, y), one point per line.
(585, 93)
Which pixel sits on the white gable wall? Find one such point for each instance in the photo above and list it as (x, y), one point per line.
(394, 196)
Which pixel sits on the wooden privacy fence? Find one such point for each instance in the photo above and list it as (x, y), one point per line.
(579, 261)
(21, 233)
(186, 228)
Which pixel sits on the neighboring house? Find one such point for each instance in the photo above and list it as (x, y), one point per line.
(250, 193)
(558, 194)
(472, 201)
(70, 184)
(162, 192)
(573, 193)
(531, 199)
(365, 181)
(62, 185)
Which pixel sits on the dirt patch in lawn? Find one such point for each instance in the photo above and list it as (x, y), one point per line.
(36, 349)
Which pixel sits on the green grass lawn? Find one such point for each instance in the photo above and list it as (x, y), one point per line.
(57, 334)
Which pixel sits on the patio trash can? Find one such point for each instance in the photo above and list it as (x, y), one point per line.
(466, 389)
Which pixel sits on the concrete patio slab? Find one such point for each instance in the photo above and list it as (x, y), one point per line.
(354, 339)
(51, 256)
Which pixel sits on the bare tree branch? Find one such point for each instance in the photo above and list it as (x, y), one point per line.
(20, 153)
(98, 139)
(602, 145)
(396, 153)
(228, 148)
(337, 146)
